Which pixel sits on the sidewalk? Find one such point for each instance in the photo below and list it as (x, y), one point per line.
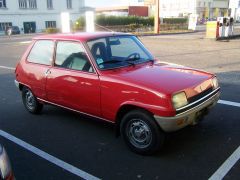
(3, 36)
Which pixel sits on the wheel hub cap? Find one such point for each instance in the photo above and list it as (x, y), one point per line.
(139, 133)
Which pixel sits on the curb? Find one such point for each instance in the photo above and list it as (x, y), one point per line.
(228, 38)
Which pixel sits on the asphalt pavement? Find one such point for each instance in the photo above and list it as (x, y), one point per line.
(62, 144)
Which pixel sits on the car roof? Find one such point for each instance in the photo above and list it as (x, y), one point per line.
(79, 36)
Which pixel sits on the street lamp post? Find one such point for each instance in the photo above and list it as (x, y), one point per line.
(156, 18)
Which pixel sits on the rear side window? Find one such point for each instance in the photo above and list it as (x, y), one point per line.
(42, 52)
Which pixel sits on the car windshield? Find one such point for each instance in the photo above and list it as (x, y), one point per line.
(118, 51)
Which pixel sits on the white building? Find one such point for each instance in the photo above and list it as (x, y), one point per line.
(203, 8)
(37, 15)
(234, 5)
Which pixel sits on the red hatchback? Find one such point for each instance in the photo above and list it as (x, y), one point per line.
(113, 77)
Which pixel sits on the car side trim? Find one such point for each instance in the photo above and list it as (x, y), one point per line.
(75, 110)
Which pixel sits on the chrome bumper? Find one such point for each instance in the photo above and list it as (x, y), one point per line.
(16, 83)
(188, 117)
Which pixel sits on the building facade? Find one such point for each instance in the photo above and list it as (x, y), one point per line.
(203, 8)
(36, 15)
(178, 8)
(234, 6)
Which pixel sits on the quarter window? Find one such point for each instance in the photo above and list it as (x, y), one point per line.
(71, 55)
(42, 52)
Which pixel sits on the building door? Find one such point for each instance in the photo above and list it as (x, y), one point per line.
(29, 27)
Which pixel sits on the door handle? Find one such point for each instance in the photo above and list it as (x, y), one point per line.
(47, 72)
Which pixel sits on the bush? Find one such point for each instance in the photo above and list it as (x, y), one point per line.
(52, 30)
(175, 20)
(123, 20)
(80, 23)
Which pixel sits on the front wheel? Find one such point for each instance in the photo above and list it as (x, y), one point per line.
(141, 133)
(30, 101)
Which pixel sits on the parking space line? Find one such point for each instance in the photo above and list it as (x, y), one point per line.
(230, 103)
(226, 166)
(5, 67)
(48, 157)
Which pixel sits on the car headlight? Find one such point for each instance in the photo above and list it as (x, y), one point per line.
(215, 83)
(179, 100)
(5, 167)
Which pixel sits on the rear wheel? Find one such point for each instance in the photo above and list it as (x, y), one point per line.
(141, 133)
(30, 101)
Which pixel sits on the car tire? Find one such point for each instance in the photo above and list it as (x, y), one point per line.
(141, 132)
(30, 101)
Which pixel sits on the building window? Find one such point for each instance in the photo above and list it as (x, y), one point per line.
(49, 4)
(5, 25)
(22, 4)
(3, 4)
(50, 24)
(32, 4)
(69, 4)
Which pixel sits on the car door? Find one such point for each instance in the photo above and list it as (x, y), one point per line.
(72, 81)
(38, 63)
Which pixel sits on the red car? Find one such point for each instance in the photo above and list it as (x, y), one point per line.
(113, 77)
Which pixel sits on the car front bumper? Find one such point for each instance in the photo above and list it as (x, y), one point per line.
(16, 83)
(190, 116)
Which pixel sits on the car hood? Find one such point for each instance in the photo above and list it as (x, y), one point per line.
(163, 77)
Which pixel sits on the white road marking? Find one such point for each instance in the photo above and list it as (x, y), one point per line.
(230, 103)
(25, 42)
(226, 166)
(5, 67)
(48, 157)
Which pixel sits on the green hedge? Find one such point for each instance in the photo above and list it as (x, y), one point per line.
(103, 20)
(124, 20)
(175, 20)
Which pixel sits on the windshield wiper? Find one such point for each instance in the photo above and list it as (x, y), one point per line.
(151, 60)
(132, 59)
(110, 62)
(115, 61)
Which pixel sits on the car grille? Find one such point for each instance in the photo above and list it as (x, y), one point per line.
(198, 99)
(199, 96)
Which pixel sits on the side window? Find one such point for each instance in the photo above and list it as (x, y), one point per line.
(42, 52)
(71, 55)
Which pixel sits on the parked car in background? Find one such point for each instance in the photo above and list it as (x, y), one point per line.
(13, 30)
(113, 77)
(6, 172)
